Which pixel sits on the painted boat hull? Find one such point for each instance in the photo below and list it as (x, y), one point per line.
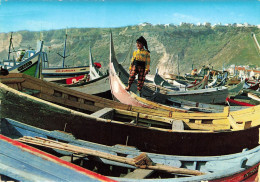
(45, 115)
(56, 74)
(208, 96)
(30, 66)
(217, 168)
(99, 86)
(208, 107)
(118, 90)
(24, 163)
(235, 90)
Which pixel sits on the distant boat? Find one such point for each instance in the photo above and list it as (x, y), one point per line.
(60, 74)
(27, 63)
(159, 81)
(155, 96)
(210, 108)
(236, 89)
(20, 162)
(96, 83)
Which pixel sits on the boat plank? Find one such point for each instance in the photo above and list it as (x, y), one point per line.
(139, 174)
(13, 80)
(221, 124)
(210, 127)
(79, 105)
(104, 113)
(140, 161)
(234, 123)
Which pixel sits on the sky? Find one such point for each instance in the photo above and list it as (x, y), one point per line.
(39, 15)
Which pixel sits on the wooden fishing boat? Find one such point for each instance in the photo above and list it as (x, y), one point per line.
(94, 71)
(244, 100)
(148, 133)
(233, 81)
(236, 89)
(199, 85)
(210, 108)
(122, 159)
(98, 83)
(119, 77)
(60, 74)
(180, 84)
(253, 85)
(99, 87)
(213, 83)
(254, 97)
(90, 103)
(29, 64)
(20, 162)
(255, 92)
(158, 80)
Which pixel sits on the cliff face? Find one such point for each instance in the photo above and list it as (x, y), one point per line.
(189, 46)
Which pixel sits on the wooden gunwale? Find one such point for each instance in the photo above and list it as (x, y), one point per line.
(93, 103)
(244, 173)
(42, 167)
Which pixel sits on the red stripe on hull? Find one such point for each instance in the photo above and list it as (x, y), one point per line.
(56, 159)
(247, 175)
(238, 102)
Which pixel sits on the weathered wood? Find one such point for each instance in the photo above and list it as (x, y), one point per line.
(30, 91)
(48, 89)
(139, 174)
(247, 124)
(12, 80)
(142, 160)
(234, 124)
(21, 162)
(106, 113)
(177, 125)
(150, 139)
(218, 124)
(253, 96)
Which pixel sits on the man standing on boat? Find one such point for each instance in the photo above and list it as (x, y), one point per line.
(140, 64)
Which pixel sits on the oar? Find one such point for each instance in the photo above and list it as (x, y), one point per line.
(141, 161)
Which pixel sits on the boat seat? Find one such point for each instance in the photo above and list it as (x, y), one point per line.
(139, 174)
(106, 113)
(177, 125)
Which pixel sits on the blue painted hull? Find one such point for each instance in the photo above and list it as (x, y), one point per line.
(215, 167)
(24, 163)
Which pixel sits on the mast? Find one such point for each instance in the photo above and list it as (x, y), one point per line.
(64, 51)
(178, 66)
(10, 44)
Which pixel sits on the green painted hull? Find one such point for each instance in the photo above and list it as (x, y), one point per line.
(31, 71)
